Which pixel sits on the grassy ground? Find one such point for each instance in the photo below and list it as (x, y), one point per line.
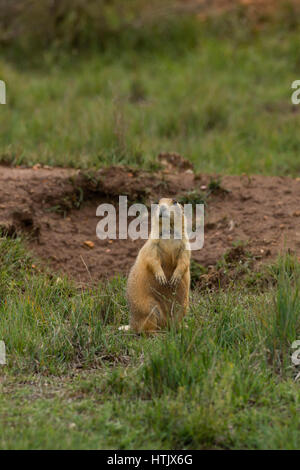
(220, 94)
(73, 381)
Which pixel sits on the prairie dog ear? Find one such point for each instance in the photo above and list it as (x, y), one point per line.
(180, 205)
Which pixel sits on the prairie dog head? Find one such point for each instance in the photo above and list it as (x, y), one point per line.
(168, 220)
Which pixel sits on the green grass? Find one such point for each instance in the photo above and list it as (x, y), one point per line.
(72, 380)
(223, 100)
(218, 93)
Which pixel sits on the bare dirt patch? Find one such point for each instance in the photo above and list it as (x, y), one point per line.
(56, 209)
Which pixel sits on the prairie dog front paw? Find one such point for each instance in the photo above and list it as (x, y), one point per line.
(176, 277)
(161, 278)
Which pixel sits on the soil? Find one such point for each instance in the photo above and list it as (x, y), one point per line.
(55, 208)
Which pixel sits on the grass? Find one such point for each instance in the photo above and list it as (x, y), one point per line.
(220, 94)
(223, 100)
(72, 380)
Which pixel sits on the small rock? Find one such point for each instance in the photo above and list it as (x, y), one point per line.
(231, 225)
(37, 166)
(89, 244)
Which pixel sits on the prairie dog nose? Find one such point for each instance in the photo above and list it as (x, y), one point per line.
(163, 209)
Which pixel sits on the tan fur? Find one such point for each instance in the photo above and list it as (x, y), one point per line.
(159, 281)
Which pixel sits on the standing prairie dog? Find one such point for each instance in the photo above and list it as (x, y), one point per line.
(159, 281)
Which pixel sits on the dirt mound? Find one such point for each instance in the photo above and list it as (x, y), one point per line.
(56, 209)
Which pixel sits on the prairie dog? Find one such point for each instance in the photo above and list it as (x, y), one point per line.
(158, 283)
